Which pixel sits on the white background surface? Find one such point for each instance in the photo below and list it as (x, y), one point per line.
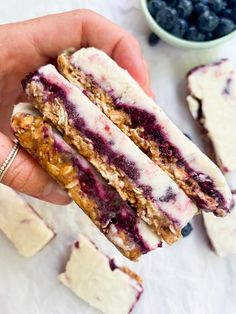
(184, 279)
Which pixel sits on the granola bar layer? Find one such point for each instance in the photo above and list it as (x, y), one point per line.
(118, 96)
(96, 279)
(113, 216)
(21, 224)
(158, 199)
(212, 102)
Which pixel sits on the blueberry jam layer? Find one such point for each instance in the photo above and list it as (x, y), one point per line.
(112, 210)
(165, 154)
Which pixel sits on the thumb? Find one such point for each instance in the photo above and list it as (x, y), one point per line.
(26, 176)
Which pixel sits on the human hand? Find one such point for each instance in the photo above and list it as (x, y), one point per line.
(27, 45)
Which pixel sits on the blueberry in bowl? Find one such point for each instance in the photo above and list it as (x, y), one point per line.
(191, 23)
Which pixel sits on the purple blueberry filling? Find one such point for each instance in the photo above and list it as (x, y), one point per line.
(154, 132)
(112, 210)
(170, 195)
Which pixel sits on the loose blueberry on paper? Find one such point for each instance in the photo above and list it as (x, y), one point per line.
(153, 39)
(187, 230)
(194, 20)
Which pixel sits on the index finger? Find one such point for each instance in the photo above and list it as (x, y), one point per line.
(82, 28)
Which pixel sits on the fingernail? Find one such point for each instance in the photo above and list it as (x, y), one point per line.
(53, 193)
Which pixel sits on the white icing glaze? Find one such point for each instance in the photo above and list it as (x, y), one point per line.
(181, 208)
(90, 277)
(222, 232)
(207, 83)
(111, 77)
(193, 106)
(24, 107)
(147, 235)
(21, 224)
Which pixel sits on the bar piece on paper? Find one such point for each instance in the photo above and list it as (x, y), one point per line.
(212, 103)
(99, 281)
(21, 224)
(222, 232)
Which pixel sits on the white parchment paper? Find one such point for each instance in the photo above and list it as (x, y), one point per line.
(187, 278)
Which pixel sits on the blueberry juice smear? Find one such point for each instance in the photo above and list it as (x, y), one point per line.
(201, 20)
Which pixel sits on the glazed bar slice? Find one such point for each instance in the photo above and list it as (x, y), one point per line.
(99, 281)
(212, 102)
(118, 96)
(158, 199)
(113, 216)
(21, 224)
(222, 232)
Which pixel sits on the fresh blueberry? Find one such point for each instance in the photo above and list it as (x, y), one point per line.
(234, 14)
(184, 8)
(167, 18)
(153, 39)
(231, 3)
(208, 21)
(227, 13)
(187, 230)
(193, 34)
(217, 5)
(179, 28)
(171, 3)
(202, 1)
(209, 36)
(224, 5)
(225, 27)
(201, 8)
(154, 6)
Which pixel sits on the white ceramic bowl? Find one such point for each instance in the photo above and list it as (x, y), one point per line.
(178, 42)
